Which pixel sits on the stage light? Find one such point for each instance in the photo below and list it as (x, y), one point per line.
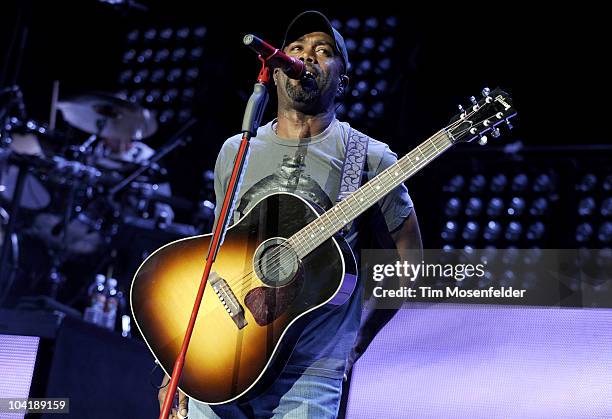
(191, 74)
(182, 33)
(536, 231)
(510, 256)
(158, 75)
(586, 206)
(141, 76)
(495, 207)
(584, 232)
(477, 184)
(607, 183)
(161, 55)
(153, 96)
(351, 45)
(144, 56)
(371, 24)
(606, 207)
(519, 183)
(470, 231)
(377, 110)
(391, 22)
(132, 36)
(453, 207)
(170, 95)
(604, 235)
(530, 280)
(380, 87)
(492, 231)
(538, 207)
(174, 75)
(352, 26)
(137, 95)
(449, 233)
(383, 66)
(513, 231)
(587, 183)
(473, 207)
(508, 278)
(166, 34)
(357, 110)
(386, 45)
(364, 68)
(196, 53)
(543, 183)
(199, 32)
(128, 56)
(361, 89)
(166, 116)
(150, 34)
(367, 45)
(188, 94)
(517, 206)
(455, 184)
(178, 54)
(498, 183)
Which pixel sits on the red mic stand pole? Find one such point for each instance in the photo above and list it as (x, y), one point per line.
(252, 118)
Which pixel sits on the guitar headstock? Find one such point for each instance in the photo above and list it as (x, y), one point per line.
(482, 117)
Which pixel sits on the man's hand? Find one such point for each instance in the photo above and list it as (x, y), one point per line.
(176, 412)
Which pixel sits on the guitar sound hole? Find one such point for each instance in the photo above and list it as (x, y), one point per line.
(275, 262)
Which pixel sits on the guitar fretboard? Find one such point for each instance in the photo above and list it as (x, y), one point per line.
(332, 221)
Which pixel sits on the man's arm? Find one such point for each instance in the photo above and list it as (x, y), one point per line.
(407, 237)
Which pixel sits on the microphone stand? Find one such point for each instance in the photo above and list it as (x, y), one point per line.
(250, 123)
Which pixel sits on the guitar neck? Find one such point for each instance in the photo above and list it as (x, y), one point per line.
(333, 220)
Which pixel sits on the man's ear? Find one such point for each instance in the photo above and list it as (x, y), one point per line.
(344, 81)
(274, 75)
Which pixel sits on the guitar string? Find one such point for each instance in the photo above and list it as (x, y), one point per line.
(283, 255)
(290, 254)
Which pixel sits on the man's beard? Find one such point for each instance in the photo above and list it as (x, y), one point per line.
(306, 92)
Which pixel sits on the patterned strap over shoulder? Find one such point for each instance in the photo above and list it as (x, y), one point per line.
(354, 161)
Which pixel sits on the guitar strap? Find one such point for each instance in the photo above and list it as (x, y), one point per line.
(356, 152)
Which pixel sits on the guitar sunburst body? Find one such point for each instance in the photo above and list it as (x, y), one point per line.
(225, 362)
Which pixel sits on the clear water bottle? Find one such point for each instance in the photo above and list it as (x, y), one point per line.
(112, 304)
(97, 301)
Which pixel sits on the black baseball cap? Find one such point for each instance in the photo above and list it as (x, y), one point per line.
(314, 21)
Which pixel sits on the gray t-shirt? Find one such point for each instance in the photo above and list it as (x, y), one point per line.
(312, 168)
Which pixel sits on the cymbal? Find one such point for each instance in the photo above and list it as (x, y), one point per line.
(117, 117)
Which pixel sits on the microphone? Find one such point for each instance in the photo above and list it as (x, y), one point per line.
(292, 67)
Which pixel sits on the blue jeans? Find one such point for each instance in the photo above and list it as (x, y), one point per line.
(291, 396)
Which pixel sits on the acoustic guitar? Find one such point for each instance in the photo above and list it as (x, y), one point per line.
(279, 266)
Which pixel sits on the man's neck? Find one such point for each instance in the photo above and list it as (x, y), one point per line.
(292, 124)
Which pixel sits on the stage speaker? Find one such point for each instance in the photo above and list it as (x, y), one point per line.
(102, 373)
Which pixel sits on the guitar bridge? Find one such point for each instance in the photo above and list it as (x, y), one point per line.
(229, 300)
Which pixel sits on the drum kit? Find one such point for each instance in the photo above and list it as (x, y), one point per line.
(80, 200)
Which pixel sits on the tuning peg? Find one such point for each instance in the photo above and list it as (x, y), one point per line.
(485, 92)
(483, 140)
(495, 132)
(509, 124)
(463, 112)
(473, 100)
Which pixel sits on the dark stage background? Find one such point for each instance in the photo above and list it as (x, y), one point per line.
(439, 59)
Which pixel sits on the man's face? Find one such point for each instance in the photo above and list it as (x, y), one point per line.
(318, 92)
